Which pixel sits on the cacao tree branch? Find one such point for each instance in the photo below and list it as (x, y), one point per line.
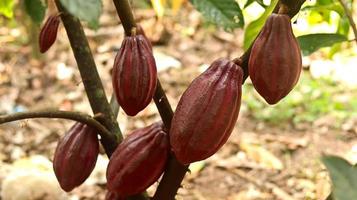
(171, 180)
(125, 14)
(163, 106)
(90, 77)
(114, 105)
(294, 7)
(350, 18)
(76, 116)
(174, 172)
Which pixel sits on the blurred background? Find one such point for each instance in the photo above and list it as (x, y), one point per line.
(274, 151)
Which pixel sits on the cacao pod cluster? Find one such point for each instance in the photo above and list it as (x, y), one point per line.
(48, 33)
(138, 161)
(134, 74)
(275, 61)
(75, 156)
(204, 118)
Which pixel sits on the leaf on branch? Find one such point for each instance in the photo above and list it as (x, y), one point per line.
(35, 9)
(88, 10)
(343, 176)
(253, 29)
(312, 42)
(223, 13)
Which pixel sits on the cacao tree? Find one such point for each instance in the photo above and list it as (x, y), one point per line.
(208, 109)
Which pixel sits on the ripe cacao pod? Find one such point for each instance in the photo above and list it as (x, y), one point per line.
(138, 161)
(134, 74)
(75, 156)
(275, 61)
(207, 112)
(48, 33)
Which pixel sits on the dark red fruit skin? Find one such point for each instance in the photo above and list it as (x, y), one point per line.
(207, 112)
(113, 196)
(75, 156)
(275, 61)
(140, 31)
(138, 161)
(48, 32)
(134, 74)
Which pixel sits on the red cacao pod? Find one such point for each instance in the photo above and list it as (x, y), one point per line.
(48, 32)
(207, 112)
(275, 61)
(134, 74)
(138, 161)
(75, 156)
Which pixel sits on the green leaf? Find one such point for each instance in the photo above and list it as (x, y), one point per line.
(260, 2)
(343, 176)
(326, 8)
(324, 2)
(6, 8)
(312, 42)
(86, 10)
(254, 27)
(223, 13)
(35, 9)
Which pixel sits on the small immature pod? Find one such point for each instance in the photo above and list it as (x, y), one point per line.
(48, 32)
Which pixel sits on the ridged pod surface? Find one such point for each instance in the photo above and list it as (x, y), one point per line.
(138, 161)
(134, 74)
(140, 31)
(275, 61)
(48, 33)
(75, 156)
(207, 112)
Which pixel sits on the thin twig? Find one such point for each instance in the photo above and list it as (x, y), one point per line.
(163, 106)
(294, 6)
(76, 116)
(350, 18)
(125, 14)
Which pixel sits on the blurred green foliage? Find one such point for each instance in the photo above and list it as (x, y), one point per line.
(6, 8)
(223, 13)
(310, 100)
